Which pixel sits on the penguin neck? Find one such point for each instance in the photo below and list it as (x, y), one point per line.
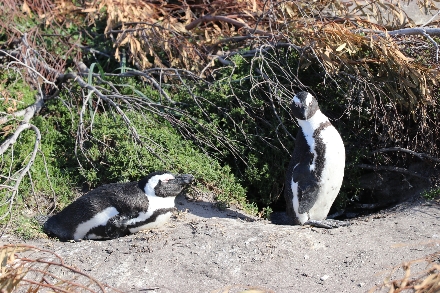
(153, 181)
(156, 202)
(310, 125)
(149, 190)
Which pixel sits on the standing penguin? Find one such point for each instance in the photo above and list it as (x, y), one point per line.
(118, 209)
(316, 170)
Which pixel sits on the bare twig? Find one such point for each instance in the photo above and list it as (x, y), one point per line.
(93, 89)
(414, 31)
(424, 31)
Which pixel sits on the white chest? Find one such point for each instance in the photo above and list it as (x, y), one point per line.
(154, 203)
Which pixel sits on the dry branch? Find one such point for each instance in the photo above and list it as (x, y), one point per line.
(392, 169)
(239, 24)
(75, 77)
(398, 149)
(13, 180)
(424, 31)
(27, 113)
(415, 31)
(19, 175)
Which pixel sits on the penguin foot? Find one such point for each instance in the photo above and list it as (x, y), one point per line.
(327, 224)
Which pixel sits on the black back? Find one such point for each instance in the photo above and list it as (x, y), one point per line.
(127, 197)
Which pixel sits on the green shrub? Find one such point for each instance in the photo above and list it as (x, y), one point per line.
(431, 194)
(47, 183)
(239, 123)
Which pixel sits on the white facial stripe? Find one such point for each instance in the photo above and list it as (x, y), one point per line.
(100, 219)
(149, 188)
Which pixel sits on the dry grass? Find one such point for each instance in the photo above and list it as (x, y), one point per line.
(31, 269)
(426, 280)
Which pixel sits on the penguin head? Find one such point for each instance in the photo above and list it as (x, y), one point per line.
(304, 106)
(164, 184)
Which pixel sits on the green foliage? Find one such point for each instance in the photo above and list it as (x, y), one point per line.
(116, 157)
(112, 155)
(47, 182)
(27, 228)
(247, 122)
(15, 93)
(431, 194)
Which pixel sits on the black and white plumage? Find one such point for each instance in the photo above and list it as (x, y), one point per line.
(118, 209)
(316, 170)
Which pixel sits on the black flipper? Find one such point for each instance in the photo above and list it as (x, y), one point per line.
(116, 227)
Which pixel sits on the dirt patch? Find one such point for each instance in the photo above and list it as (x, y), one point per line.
(204, 249)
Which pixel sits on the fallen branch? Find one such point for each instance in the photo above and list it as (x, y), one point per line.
(398, 149)
(427, 32)
(22, 172)
(27, 113)
(392, 169)
(415, 31)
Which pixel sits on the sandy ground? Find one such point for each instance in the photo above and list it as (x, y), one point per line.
(204, 249)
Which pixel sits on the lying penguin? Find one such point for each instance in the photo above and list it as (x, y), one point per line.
(316, 170)
(118, 209)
